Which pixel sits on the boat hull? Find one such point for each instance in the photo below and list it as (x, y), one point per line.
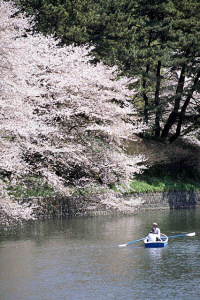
(158, 244)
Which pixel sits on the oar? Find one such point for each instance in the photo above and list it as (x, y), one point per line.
(124, 245)
(187, 234)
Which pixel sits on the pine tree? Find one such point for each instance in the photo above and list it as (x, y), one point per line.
(150, 53)
(185, 59)
(154, 41)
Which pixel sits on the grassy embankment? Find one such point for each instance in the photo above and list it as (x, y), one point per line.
(166, 179)
(159, 178)
(36, 186)
(173, 168)
(32, 186)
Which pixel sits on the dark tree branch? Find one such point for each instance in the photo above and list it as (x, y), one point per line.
(157, 100)
(184, 107)
(173, 115)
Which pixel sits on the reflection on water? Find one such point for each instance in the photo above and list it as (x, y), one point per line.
(79, 258)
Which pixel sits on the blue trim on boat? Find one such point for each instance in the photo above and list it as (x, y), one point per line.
(158, 244)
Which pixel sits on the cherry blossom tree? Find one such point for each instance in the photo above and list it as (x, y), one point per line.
(62, 118)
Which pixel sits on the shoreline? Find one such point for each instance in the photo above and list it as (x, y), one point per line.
(95, 205)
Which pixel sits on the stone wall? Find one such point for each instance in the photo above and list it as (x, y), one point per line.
(169, 200)
(58, 207)
(67, 206)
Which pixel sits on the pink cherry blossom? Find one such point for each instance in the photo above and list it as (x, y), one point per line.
(58, 106)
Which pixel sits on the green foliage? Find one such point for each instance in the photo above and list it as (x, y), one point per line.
(68, 20)
(165, 185)
(162, 178)
(151, 40)
(32, 186)
(96, 189)
(166, 178)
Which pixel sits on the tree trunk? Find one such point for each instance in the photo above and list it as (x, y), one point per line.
(145, 98)
(157, 101)
(174, 114)
(183, 110)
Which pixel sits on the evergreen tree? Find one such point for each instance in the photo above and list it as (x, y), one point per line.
(185, 59)
(150, 53)
(154, 41)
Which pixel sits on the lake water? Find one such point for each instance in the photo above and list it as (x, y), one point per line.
(80, 258)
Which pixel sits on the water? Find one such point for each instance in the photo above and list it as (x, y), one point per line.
(79, 259)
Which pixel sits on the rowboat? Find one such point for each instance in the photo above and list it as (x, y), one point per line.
(157, 244)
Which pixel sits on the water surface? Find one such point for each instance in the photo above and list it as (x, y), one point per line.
(79, 258)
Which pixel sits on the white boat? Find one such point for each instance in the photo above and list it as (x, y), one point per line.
(157, 244)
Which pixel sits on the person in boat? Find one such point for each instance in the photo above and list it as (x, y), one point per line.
(156, 231)
(154, 234)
